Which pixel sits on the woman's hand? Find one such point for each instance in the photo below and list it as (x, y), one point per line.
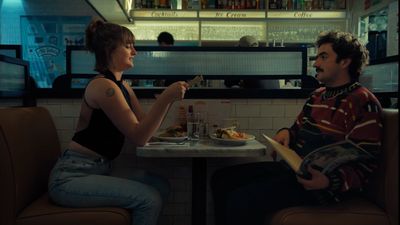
(176, 91)
(318, 180)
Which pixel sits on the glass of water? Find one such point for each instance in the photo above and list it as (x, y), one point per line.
(193, 126)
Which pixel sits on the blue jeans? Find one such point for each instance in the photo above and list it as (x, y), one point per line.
(79, 180)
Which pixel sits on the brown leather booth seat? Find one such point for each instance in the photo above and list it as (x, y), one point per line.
(29, 147)
(381, 205)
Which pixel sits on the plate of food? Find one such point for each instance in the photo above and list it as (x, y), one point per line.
(228, 136)
(174, 133)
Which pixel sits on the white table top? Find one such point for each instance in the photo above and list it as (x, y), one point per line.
(204, 148)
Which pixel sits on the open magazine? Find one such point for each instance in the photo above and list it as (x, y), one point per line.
(325, 158)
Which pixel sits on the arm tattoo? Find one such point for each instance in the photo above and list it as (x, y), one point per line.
(110, 92)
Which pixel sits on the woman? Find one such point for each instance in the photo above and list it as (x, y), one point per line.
(110, 112)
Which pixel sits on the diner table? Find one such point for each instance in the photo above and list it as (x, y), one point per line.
(199, 152)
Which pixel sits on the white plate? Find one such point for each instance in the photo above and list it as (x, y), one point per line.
(171, 139)
(224, 141)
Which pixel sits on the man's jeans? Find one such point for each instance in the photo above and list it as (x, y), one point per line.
(78, 180)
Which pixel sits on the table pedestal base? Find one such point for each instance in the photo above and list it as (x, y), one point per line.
(199, 191)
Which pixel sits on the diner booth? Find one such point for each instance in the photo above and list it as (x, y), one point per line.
(44, 71)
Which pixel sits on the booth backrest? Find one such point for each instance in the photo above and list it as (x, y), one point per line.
(384, 188)
(29, 147)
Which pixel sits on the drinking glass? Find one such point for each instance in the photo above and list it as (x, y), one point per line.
(193, 126)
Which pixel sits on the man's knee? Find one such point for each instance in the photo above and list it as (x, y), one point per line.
(217, 180)
(164, 188)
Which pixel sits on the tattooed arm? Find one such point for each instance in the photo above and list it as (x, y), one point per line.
(137, 108)
(105, 94)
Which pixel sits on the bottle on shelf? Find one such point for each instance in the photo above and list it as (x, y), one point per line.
(328, 4)
(149, 4)
(295, 4)
(272, 4)
(230, 4)
(184, 4)
(279, 4)
(138, 4)
(300, 5)
(211, 4)
(261, 4)
(163, 3)
(156, 4)
(321, 4)
(189, 4)
(248, 4)
(307, 4)
(315, 5)
(243, 4)
(289, 5)
(203, 4)
(173, 4)
(341, 4)
(195, 4)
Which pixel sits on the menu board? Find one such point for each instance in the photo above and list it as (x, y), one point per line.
(44, 39)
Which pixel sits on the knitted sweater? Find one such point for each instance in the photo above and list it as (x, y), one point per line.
(335, 114)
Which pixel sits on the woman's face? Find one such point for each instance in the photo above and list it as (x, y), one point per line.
(122, 57)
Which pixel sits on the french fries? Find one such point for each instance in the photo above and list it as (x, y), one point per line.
(174, 131)
(228, 133)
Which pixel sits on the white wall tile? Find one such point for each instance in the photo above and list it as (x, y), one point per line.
(272, 110)
(54, 110)
(64, 123)
(247, 110)
(70, 110)
(260, 123)
(292, 110)
(259, 101)
(280, 101)
(278, 123)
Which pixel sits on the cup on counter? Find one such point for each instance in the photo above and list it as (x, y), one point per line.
(203, 128)
(197, 126)
(193, 126)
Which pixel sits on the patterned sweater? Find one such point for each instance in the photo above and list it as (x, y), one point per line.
(335, 114)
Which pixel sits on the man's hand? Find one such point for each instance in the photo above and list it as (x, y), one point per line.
(318, 180)
(283, 138)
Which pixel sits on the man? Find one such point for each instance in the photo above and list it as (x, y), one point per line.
(341, 110)
(245, 41)
(165, 39)
(250, 41)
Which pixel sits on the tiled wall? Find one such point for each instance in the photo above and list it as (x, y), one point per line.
(254, 117)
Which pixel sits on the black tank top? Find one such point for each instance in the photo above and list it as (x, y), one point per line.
(101, 135)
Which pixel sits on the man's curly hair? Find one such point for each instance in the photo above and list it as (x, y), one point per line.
(346, 45)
